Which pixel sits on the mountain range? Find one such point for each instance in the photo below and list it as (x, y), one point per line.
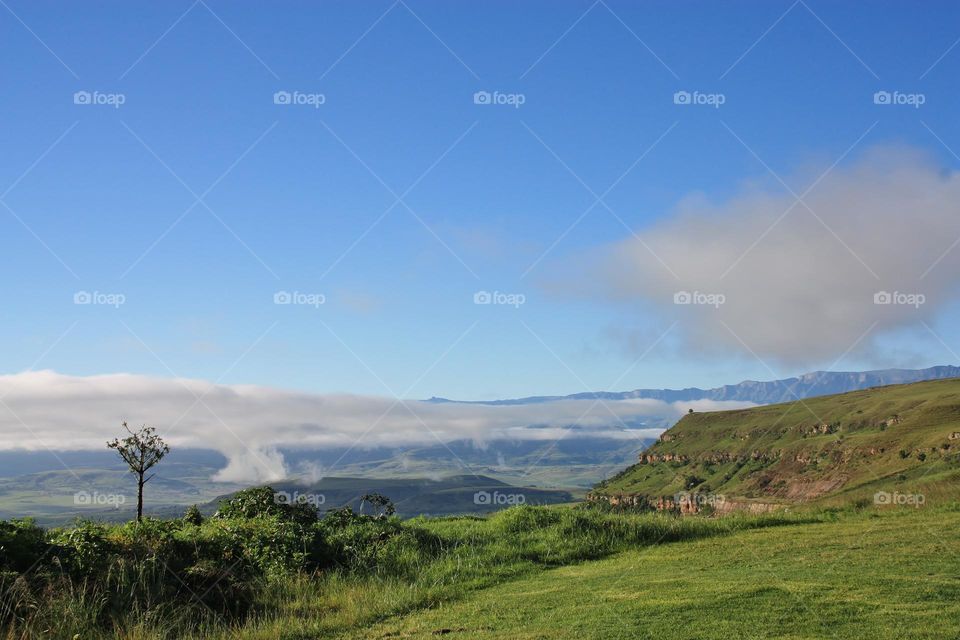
(808, 385)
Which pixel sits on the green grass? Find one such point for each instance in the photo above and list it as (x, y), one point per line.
(379, 569)
(890, 574)
(859, 454)
(527, 572)
(479, 554)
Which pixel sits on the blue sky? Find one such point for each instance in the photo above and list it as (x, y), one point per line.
(296, 198)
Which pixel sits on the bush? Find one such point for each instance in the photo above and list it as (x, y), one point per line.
(83, 550)
(264, 501)
(22, 544)
(193, 516)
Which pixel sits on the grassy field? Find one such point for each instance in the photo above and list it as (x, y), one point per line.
(887, 574)
(527, 572)
(263, 570)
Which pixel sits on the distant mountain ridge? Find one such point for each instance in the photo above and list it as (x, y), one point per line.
(808, 385)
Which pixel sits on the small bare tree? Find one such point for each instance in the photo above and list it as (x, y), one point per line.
(379, 501)
(141, 450)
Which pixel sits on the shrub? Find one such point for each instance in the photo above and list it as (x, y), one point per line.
(264, 501)
(83, 550)
(193, 516)
(22, 545)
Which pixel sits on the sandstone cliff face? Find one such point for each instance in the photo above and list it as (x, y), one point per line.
(714, 457)
(731, 506)
(685, 503)
(651, 458)
(803, 490)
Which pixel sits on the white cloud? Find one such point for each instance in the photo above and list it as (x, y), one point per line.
(798, 287)
(250, 424)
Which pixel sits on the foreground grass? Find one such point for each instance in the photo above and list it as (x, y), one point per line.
(535, 572)
(478, 554)
(889, 574)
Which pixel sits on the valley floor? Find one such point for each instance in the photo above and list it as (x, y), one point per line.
(888, 574)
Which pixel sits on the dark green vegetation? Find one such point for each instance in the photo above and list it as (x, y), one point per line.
(902, 439)
(263, 569)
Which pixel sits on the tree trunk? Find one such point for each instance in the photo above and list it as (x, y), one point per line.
(140, 499)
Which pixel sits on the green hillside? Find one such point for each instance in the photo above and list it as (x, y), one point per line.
(902, 440)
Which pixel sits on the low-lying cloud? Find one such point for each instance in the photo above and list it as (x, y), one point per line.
(251, 424)
(761, 273)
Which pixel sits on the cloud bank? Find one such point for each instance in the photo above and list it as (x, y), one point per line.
(251, 424)
(797, 284)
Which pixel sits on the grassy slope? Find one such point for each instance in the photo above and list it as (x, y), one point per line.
(860, 456)
(892, 574)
